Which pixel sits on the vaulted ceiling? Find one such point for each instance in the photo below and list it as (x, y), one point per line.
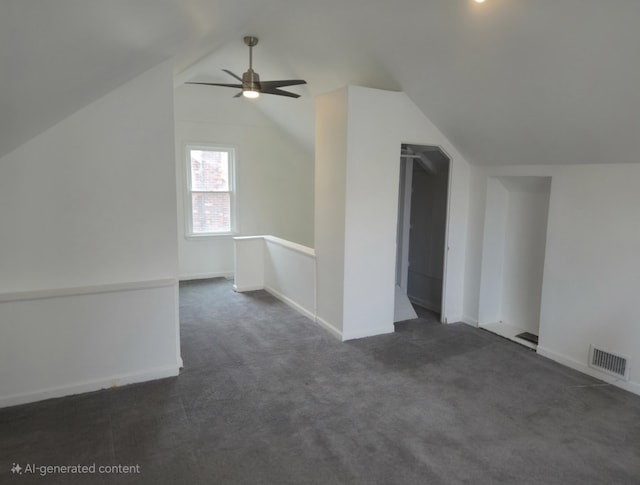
(507, 81)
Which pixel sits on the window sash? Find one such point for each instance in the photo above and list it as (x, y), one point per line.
(210, 212)
(210, 220)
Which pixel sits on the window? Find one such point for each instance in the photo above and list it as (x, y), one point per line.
(210, 187)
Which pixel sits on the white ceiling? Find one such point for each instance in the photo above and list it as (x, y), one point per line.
(508, 81)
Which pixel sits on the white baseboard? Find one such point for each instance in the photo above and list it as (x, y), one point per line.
(296, 306)
(207, 276)
(89, 386)
(630, 386)
(367, 332)
(306, 312)
(453, 319)
(328, 326)
(469, 321)
(242, 289)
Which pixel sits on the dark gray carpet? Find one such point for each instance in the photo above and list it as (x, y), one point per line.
(269, 397)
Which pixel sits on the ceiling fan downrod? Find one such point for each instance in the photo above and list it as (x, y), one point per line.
(251, 79)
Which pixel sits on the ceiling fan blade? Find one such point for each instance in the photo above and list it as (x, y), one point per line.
(232, 74)
(218, 84)
(250, 80)
(278, 92)
(283, 83)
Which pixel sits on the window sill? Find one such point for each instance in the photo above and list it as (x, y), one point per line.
(204, 237)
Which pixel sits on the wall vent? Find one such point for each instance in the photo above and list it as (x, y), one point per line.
(612, 364)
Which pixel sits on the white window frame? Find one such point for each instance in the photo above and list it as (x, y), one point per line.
(188, 200)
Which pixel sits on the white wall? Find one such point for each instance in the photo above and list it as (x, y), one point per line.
(285, 269)
(248, 263)
(378, 122)
(83, 340)
(90, 202)
(290, 274)
(514, 250)
(495, 220)
(528, 209)
(274, 175)
(475, 245)
(591, 282)
(330, 203)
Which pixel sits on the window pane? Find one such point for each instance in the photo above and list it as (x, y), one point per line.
(209, 170)
(211, 212)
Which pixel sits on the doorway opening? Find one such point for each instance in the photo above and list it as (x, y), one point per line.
(422, 229)
(515, 234)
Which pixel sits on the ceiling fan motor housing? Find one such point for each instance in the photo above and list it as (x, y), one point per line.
(251, 81)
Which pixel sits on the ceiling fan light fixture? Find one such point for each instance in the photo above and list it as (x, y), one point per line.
(251, 84)
(250, 93)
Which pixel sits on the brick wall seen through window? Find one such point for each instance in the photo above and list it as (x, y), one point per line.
(211, 184)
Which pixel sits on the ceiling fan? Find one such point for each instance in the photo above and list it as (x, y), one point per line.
(251, 85)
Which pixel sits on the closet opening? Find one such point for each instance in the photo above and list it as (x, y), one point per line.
(515, 235)
(422, 229)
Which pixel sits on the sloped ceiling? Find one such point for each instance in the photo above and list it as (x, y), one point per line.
(508, 81)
